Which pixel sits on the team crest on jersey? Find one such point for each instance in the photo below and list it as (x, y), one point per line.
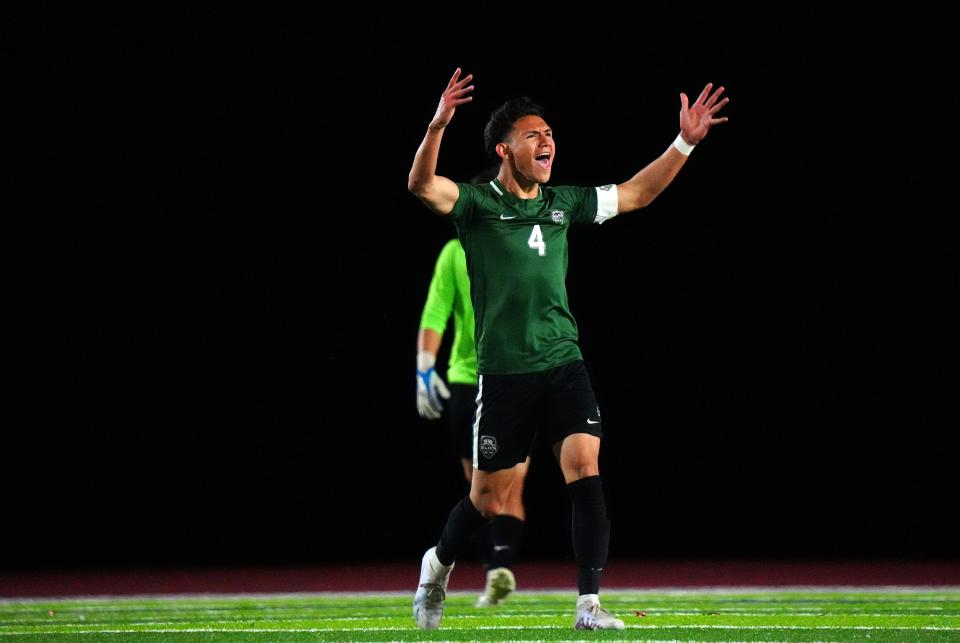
(557, 216)
(488, 446)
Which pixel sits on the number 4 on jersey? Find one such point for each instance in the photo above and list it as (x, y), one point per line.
(536, 241)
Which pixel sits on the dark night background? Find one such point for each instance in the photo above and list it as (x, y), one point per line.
(225, 274)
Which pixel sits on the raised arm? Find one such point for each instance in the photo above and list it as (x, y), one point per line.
(695, 123)
(437, 192)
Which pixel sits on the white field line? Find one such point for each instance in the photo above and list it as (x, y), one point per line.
(666, 591)
(35, 621)
(928, 603)
(257, 630)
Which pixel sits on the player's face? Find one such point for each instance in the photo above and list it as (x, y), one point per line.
(532, 148)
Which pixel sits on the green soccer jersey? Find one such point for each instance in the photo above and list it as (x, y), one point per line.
(516, 252)
(450, 293)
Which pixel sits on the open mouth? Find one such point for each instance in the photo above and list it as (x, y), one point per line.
(544, 160)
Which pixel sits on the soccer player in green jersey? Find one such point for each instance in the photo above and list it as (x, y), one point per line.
(531, 374)
(449, 296)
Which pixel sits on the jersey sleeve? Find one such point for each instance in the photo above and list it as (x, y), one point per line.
(440, 296)
(466, 204)
(593, 205)
(608, 202)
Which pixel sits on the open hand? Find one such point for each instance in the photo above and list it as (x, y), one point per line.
(453, 97)
(697, 119)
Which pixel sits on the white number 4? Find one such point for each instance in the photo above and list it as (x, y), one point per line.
(536, 241)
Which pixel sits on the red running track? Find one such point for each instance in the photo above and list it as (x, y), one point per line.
(470, 576)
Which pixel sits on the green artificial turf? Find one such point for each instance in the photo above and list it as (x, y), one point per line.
(716, 615)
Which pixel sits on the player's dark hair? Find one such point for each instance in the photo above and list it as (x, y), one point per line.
(502, 120)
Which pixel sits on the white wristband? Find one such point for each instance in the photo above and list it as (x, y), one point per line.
(682, 146)
(425, 361)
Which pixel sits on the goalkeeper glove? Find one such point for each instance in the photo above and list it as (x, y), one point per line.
(430, 388)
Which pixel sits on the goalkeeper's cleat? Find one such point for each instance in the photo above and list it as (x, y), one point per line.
(500, 584)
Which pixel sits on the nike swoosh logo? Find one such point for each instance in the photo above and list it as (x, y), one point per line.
(505, 217)
(589, 421)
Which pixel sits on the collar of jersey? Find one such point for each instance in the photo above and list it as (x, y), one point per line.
(516, 202)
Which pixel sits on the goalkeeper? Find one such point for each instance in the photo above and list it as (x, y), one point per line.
(449, 294)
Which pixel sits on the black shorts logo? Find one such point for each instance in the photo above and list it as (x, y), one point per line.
(488, 446)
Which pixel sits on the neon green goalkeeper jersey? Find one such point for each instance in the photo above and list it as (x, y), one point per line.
(516, 253)
(450, 292)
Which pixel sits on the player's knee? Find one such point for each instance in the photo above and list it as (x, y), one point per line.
(486, 501)
(489, 507)
(583, 469)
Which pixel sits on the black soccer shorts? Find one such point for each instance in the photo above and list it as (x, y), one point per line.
(513, 410)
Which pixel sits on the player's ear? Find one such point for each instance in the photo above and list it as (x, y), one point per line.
(503, 151)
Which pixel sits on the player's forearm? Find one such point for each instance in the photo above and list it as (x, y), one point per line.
(428, 344)
(438, 193)
(424, 169)
(649, 182)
